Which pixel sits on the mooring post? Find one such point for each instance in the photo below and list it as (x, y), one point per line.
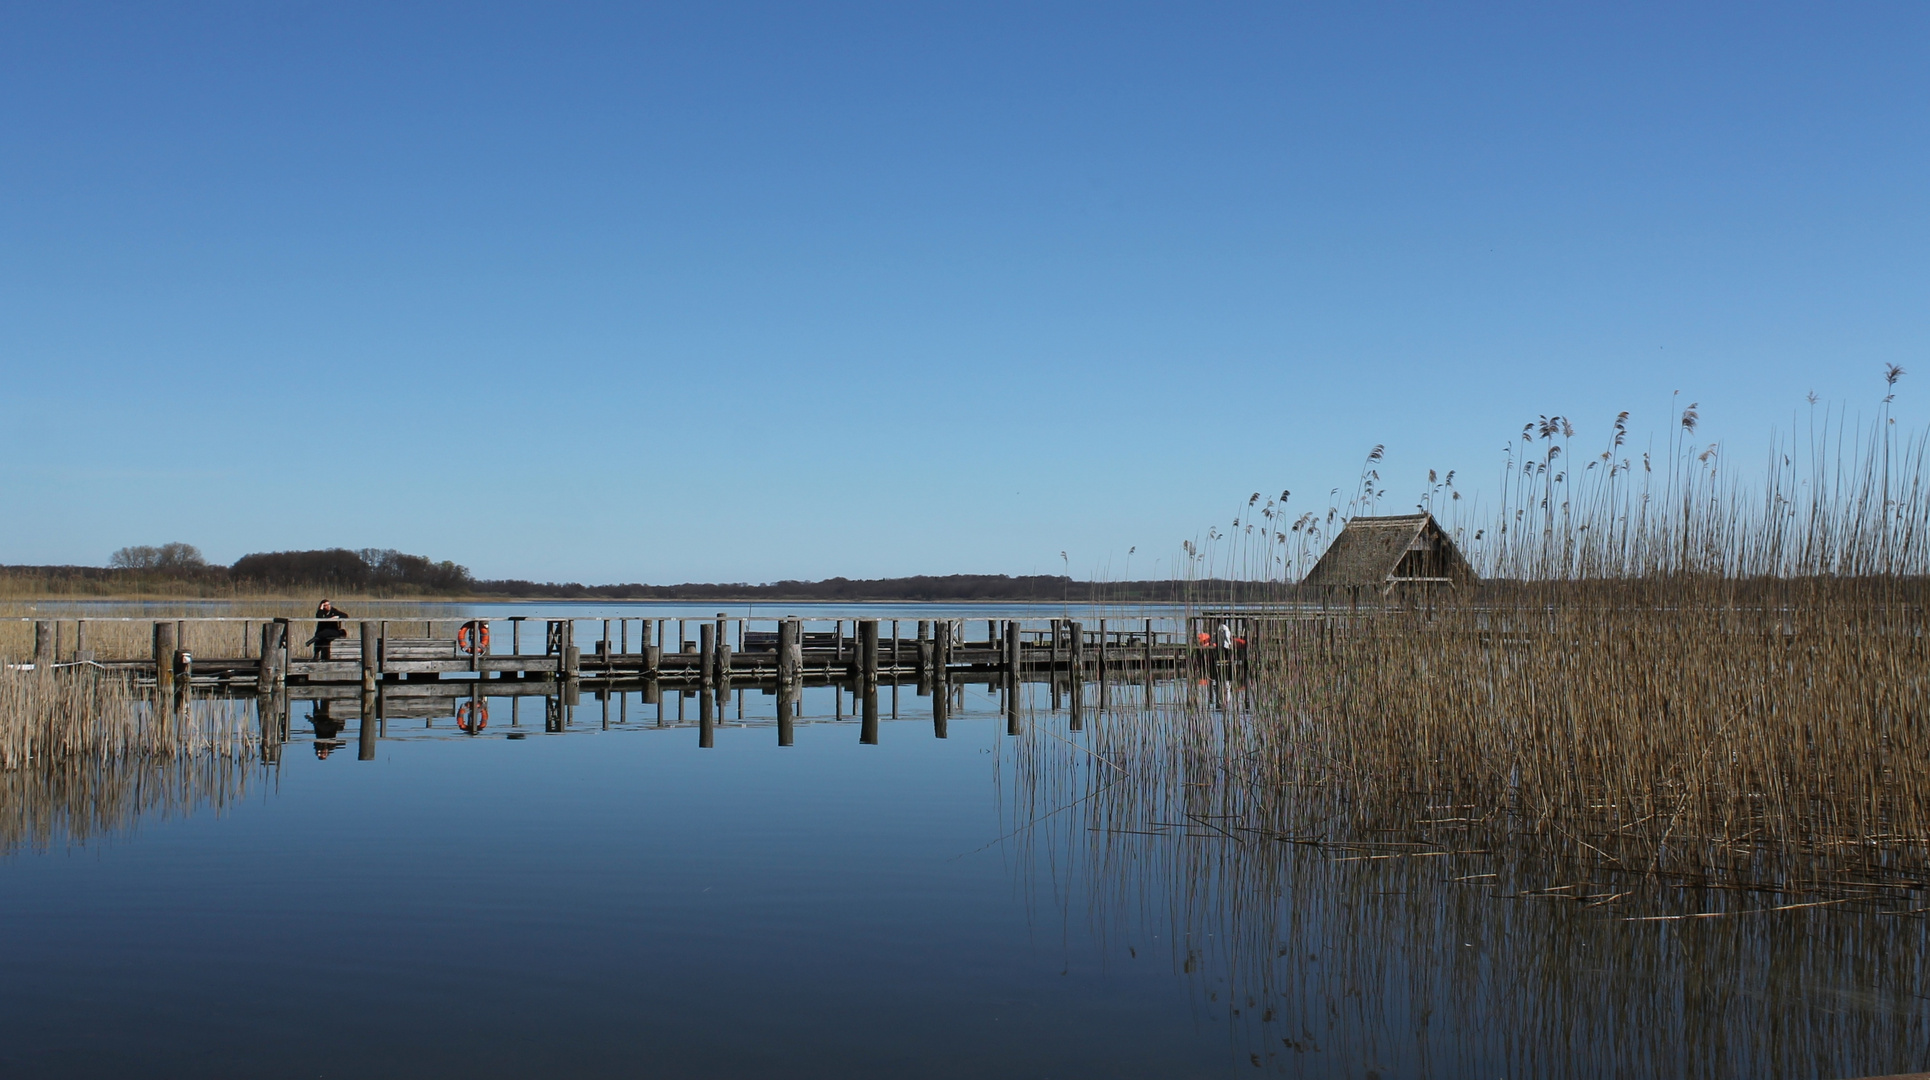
(371, 646)
(722, 655)
(1102, 649)
(786, 668)
(894, 652)
(941, 649)
(43, 642)
(164, 658)
(1149, 645)
(1054, 665)
(706, 653)
(868, 650)
(265, 678)
(1011, 642)
(572, 658)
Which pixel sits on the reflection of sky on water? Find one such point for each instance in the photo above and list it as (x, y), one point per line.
(615, 900)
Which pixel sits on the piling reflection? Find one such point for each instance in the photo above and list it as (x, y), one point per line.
(1423, 948)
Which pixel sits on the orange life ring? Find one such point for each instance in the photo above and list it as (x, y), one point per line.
(473, 637)
(472, 717)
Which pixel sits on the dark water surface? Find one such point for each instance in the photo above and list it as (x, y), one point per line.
(595, 903)
(616, 901)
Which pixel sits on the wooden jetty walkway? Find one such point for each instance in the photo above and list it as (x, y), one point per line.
(684, 651)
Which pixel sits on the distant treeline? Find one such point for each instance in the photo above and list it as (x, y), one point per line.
(1038, 588)
(179, 569)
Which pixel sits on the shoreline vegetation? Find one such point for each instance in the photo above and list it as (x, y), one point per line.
(1672, 674)
(177, 571)
(29, 583)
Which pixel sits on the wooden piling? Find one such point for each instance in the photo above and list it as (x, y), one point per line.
(1102, 650)
(371, 655)
(721, 653)
(1012, 642)
(790, 655)
(868, 650)
(266, 673)
(941, 649)
(1076, 656)
(868, 726)
(706, 712)
(164, 639)
(571, 659)
(706, 653)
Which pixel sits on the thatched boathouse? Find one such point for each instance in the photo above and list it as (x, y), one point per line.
(1384, 554)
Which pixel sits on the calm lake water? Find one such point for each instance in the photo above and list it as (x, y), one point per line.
(614, 900)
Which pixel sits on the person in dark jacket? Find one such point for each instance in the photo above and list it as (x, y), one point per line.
(328, 628)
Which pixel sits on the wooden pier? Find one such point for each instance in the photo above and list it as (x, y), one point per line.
(683, 651)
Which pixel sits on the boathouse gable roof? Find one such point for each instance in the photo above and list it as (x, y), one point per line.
(1382, 552)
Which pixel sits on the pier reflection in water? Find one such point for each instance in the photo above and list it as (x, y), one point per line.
(1041, 878)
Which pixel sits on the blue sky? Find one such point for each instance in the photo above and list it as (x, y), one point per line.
(726, 292)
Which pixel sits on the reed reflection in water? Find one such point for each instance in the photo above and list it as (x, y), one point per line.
(1374, 942)
(83, 758)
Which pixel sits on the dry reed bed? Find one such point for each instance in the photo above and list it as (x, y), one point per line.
(1684, 730)
(82, 757)
(1669, 669)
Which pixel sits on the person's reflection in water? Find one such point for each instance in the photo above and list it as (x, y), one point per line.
(326, 729)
